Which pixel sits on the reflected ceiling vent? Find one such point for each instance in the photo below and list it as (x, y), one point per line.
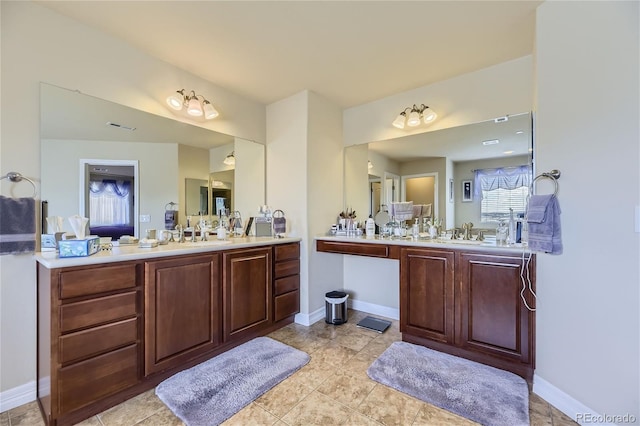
(501, 119)
(120, 126)
(490, 142)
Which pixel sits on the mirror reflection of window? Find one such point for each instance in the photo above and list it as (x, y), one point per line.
(503, 189)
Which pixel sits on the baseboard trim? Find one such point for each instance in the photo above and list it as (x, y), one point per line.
(570, 406)
(310, 319)
(372, 308)
(15, 397)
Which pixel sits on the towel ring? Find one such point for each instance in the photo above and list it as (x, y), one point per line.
(17, 177)
(553, 175)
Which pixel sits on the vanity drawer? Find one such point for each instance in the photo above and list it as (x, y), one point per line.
(87, 313)
(360, 249)
(94, 341)
(83, 282)
(286, 251)
(286, 268)
(89, 381)
(287, 284)
(286, 305)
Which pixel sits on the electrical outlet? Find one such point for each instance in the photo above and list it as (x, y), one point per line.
(145, 218)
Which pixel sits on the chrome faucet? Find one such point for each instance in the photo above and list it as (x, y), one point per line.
(467, 230)
(480, 236)
(180, 230)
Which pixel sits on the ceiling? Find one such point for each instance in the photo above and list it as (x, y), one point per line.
(351, 52)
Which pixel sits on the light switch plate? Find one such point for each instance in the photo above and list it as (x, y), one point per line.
(145, 218)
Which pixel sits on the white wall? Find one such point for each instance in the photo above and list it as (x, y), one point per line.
(287, 174)
(588, 297)
(304, 179)
(249, 177)
(39, 45)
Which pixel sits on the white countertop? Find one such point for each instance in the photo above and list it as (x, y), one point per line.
(489, 246)
(133, 252)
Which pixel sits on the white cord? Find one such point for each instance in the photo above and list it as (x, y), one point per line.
(525, 265)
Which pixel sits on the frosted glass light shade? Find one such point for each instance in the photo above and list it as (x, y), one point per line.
(209, 111)
(429, 115)
(175, 101)
(194, 107)
(414, 119)
(399, 121)
(230, 160)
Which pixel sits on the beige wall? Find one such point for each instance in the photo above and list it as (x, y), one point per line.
(588, 320)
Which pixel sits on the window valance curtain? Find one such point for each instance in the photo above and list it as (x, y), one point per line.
(502, 178)
(120, 188)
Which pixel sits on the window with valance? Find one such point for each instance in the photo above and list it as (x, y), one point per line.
(502, 189)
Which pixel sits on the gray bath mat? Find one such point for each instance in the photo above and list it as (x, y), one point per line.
(215, 390)
(476, 391)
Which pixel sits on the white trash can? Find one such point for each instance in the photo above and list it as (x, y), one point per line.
(336, 307)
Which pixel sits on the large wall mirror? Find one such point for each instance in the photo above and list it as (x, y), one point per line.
(438, 168)
(85, 141)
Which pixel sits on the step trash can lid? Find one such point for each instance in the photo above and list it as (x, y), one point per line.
(336, 294)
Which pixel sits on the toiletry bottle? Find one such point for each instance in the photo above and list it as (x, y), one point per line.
(511, 239)
(370, 227)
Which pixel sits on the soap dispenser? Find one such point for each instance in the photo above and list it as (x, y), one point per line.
(370, 227)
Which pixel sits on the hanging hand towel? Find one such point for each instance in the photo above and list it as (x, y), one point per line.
(543, 217)
(17, 225)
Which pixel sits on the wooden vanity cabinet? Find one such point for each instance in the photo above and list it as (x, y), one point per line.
(494, 320)
(286, 280)
(247, 292)
(182, 310)
(89, 336)
(427, 294)
(468, 304)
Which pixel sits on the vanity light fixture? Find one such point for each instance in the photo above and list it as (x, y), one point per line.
(196, 105)
(416, 115)
(230, 159)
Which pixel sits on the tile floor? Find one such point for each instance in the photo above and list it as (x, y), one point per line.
(333, 389)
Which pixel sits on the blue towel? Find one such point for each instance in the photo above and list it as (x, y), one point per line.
(17, 225)
(543, 217)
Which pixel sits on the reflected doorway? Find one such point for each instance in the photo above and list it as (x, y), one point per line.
(422, 189)
(108, 197)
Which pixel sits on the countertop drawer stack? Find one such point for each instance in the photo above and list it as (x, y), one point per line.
(97, 331)
(286, 280)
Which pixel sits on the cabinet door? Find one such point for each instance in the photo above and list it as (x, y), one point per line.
(247, 292)
(426, 294)
(494, 320)
(182, 310)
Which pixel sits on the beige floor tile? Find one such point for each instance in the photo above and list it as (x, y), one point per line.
(558, 418)
(283, 397)
(376, 347)
(348, 388)
(390, 407)
(317, 409)
(434, 416)
(252, 415)
(163, 417)
(314, 373)
(539, 406)
(4, 418)
(358, 419)
(306, 342)
(334, 354)
(91, 421)
(26, 415)
(360, 363)
(324, 330)
(132, 411)
(353, 341)
(536, 419)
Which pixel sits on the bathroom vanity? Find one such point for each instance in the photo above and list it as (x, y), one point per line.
(460, 297)
(117, 323)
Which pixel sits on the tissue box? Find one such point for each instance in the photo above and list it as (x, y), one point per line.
(79, 248)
